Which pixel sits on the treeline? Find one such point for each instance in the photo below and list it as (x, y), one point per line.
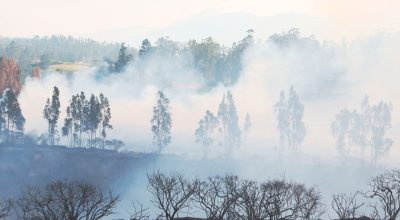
(217, 63)
(217, 197)
(86, 125)
(55, 48)
(365, 129)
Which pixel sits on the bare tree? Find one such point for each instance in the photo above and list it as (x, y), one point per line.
(66, 200)
(217, 195)
(251, 204)
(172, 192)
(139, 214)
(310, 199)
(386, 187)
(5, 207)
(346, 206)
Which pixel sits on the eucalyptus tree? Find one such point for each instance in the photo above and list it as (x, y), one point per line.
(207, 125)
(86, 117)
(281, 111)
(12, 117)
(341, 131)
(229, 118)
(246, 127)
(290, 121)
(296, 128)
(51, 113)
(381, 122)
(105, 118)
(161, 122)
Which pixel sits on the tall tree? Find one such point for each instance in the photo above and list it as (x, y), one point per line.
(381, 122)
(161, 122)
(341, 131)
(229, 118)
(206, 128)
(281, 111)
(9, 75)
(51, 113)
(246, 127)
(14, 121)
(105, 118)
(290, 121)
(36, 73)
(123, 59)
(296, 129)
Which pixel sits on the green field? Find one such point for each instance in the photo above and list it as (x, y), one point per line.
(69, 67)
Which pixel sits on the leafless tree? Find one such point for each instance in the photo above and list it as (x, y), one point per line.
(251, 204)
(346, 206)
(310, 200)
(386, 188)
(66, 200)
(6, 207)
(172, 192)
(217, 195)
(139, 214)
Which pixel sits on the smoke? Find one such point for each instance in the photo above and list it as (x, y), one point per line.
(328, 78)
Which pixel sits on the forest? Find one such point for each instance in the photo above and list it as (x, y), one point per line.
(75, 163)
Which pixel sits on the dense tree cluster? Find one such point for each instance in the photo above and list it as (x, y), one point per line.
(229, 197)
(87, 119)
(9, 75)
(11, 119)
(290, 122)
(365, 129)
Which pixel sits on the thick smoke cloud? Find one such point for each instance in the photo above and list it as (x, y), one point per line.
(328, 77)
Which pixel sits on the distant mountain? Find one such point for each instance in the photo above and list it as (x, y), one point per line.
(118, 34)
(231, 27)
(225, 28)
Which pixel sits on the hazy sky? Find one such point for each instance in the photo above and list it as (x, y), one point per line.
(74, 17)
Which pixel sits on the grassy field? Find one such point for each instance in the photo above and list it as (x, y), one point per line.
(69, 67)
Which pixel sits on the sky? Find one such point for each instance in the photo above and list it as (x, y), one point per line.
(26, 18)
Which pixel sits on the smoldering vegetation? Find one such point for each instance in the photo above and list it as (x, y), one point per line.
(322, 114)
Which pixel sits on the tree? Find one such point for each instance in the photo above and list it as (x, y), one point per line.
(346, 206)
(6, 206)
(51, 113)
(45, 61)
(365, 129)
(12, 116)
(106, 117)
(206, 128)
(229, 118)
(246, 127)
(161, 122)
(290, 124)
(9, 75)
(123, 59)
(36, 73)
(386, 188)
(87, 117)
(341, 130)
(381, 122)
(64, 199)
(93, 119)
(171, 192)
(205, 56)
(281, 111)
(217, 196)
(145, 49)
